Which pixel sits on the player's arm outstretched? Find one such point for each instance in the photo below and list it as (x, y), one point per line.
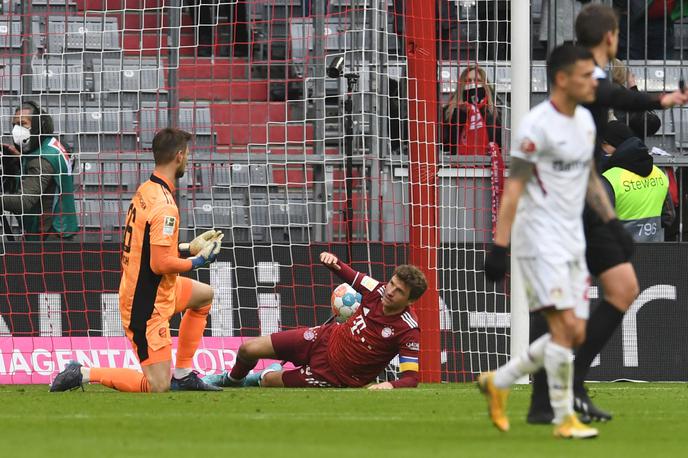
(520, 172)
(598, 199)
(358, 280)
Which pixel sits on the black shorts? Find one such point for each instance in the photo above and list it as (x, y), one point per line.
(603, 250)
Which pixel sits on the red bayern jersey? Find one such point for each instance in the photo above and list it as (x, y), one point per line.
(360, 349)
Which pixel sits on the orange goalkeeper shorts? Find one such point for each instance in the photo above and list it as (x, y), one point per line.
(155, 345)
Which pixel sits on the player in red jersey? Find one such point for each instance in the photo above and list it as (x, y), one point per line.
(351, 354)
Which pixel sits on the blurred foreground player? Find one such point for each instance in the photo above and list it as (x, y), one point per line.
(607, 253)
(551, 176)
(351, 354)
(151, 290)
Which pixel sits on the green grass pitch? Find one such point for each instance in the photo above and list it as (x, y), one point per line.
(430, 421)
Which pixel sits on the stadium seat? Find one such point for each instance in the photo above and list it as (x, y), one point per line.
(58, 74)
(10, 69)
(10, 32)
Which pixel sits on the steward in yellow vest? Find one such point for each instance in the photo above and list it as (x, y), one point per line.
(637, 188)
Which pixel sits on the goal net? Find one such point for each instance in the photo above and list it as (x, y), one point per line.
(369, 128)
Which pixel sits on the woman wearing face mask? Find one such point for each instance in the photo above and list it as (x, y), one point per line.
(471, 120)
(44, 196)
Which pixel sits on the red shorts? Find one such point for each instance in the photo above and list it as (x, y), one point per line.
(306, 348)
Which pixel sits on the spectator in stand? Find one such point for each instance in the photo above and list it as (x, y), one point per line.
(643, 123)
(205, 14)
(646, 28)
(637, 188)
(42, 188)
(471, 119)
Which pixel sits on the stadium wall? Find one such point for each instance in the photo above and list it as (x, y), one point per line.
(52, 293)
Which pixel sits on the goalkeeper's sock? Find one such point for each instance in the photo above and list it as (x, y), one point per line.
(127, 380)
(601, 325)
(539, 400)
(559, 367)
(527, 363)
(241, 369)
(190, 333)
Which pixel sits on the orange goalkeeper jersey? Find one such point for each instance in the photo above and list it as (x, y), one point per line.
(152, 219)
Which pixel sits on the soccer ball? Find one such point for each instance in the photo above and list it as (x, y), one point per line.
(345, 300)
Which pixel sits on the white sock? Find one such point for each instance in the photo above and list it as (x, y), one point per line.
(559, 367)
(181, 372)
(527, 363)
(85, 374)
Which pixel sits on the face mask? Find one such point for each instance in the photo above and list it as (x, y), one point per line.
(474, 94)
(21, 136)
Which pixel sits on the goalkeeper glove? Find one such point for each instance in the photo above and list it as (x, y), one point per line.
(495, 263)
(208, 254)
(199, 242)
(622, 236)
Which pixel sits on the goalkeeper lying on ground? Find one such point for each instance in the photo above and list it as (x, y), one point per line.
(351, 354)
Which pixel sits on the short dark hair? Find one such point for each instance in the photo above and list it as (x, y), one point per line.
(593, 23)
(563, 57)
(167, 143)
(412, 277)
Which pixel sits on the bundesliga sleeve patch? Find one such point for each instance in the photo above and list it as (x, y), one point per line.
(168, 225)
(369, 283)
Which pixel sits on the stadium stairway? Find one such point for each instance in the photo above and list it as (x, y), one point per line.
(241, 112)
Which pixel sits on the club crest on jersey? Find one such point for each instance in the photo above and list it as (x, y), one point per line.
(556, 294)
(527, 146)
(387, 332)
(309, 334)
(168, 225)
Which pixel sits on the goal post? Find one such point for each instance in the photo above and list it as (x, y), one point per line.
(286, 160)
(423, 144)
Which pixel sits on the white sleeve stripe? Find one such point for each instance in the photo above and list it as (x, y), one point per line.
(355, 278)
(408, 320)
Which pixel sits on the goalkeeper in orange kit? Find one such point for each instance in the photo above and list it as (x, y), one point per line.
(151, 290)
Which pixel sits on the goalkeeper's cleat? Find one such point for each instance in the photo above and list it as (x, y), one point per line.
(191, 382)
(588, 411)
(496, 400)
(222, 380)
(572, 428)
(69, 379)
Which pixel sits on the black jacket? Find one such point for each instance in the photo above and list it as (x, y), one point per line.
(609, 95)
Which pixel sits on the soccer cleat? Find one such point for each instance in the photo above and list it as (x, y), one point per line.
(572, 428)
(540, 416)
(254, 378)
(588, 411)
(222, 380)
(496, 400)
(69, 379)
(191, 382)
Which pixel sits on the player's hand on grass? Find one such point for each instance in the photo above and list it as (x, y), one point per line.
(208, 254)
(381, 386)
(329, 260)
(495, 263)
(623, 236)
(199, 242)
